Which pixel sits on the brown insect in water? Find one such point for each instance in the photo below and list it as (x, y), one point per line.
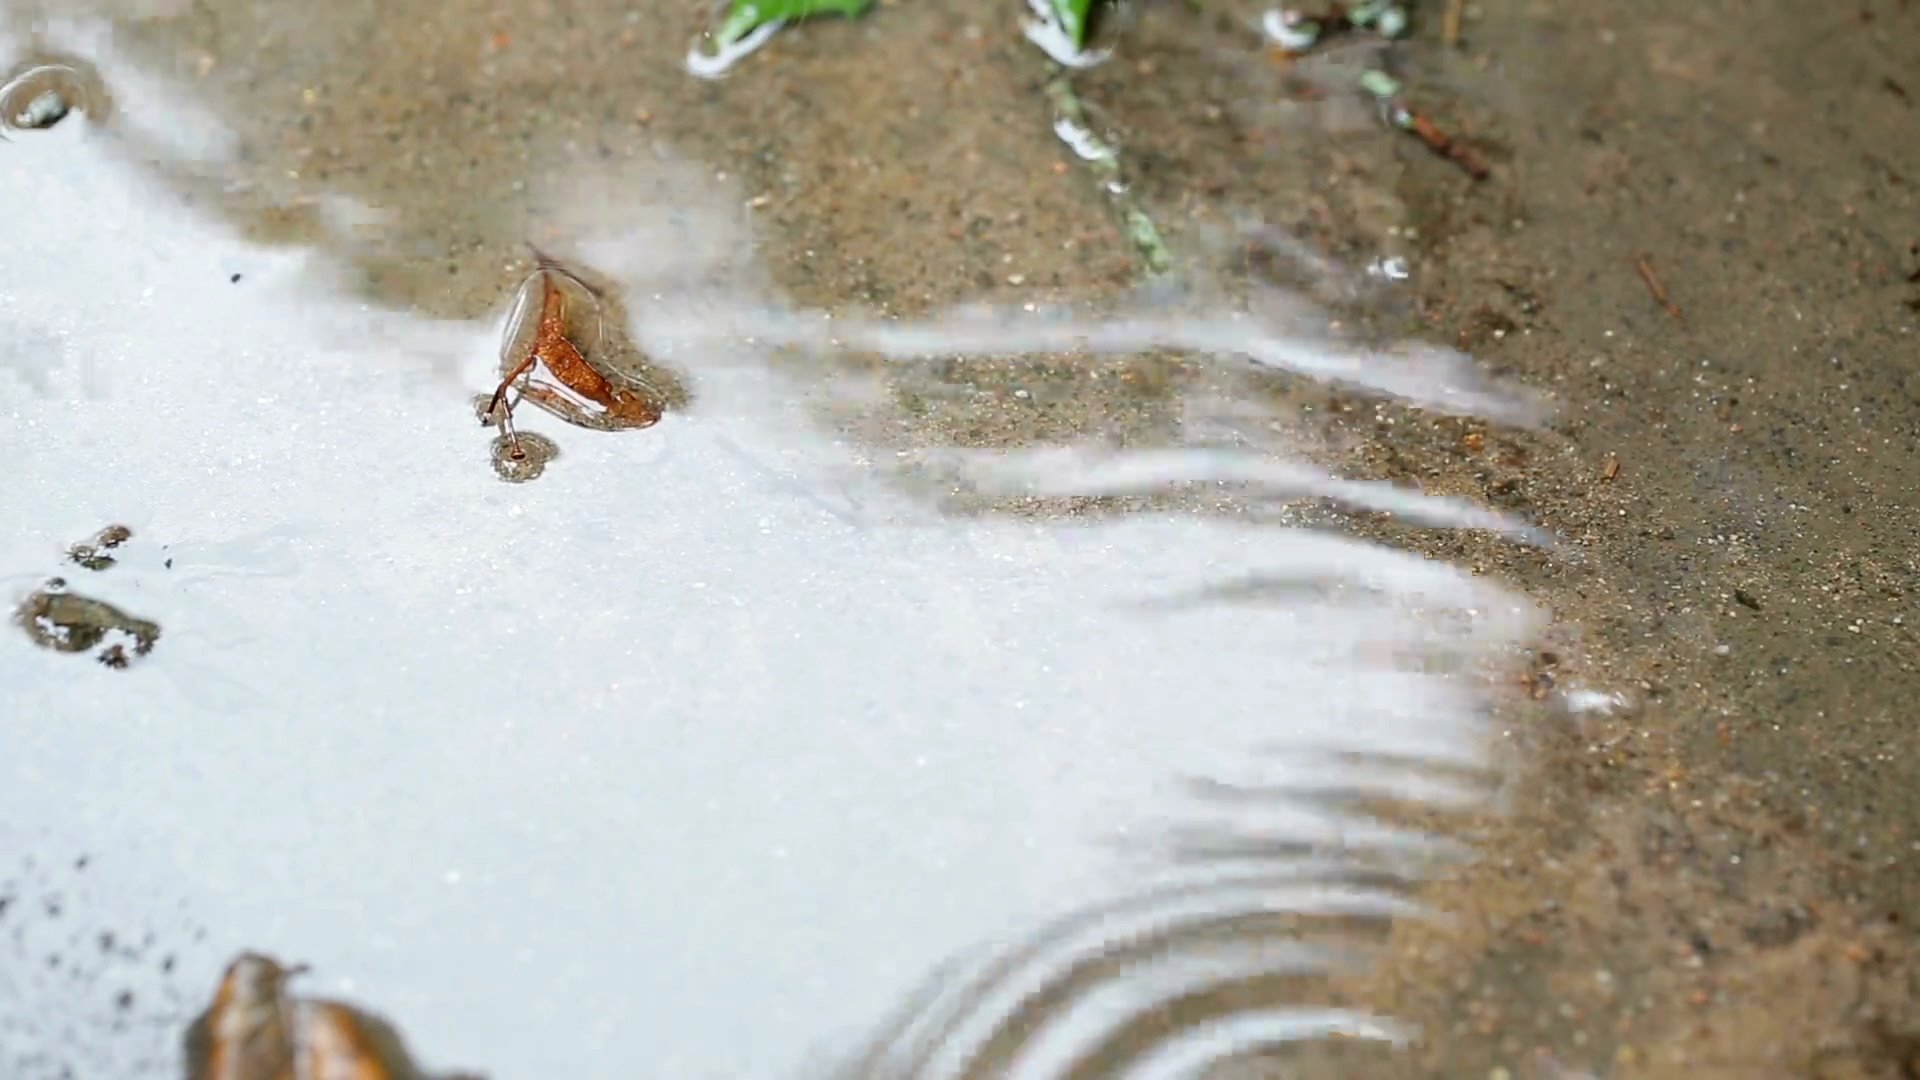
(583, 394)
(243, 1032)
(257, 1029)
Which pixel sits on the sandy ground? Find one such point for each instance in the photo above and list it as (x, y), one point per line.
(1721, 879)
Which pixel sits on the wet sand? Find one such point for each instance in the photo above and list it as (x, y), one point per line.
(1718, 880)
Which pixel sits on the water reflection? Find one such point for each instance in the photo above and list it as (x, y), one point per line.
(709, 747)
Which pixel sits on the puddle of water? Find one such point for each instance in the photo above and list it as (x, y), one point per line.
(691, 756)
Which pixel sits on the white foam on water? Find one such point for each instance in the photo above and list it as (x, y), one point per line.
(1047, 31)
(703, 64)
(692, 757)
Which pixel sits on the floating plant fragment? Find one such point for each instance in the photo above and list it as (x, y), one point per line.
(1296, 32)
(64, 622)
(749, 24)
(1071, 125)
(59, 620)
(1061, 29)
(92, 552)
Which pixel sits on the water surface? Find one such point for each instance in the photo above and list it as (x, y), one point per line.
(705, 751)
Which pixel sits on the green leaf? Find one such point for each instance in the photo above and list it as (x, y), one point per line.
(1073, 18)
(746, 16)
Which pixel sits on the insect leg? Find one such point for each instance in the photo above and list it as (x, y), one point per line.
(506, 416)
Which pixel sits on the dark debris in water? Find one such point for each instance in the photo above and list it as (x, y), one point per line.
(92, 552)
(71, 1007)
(67, 622)
(55, 618)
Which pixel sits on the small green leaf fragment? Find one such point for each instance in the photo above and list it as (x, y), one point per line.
(1380, 84)
(740, 22)
(1146, 241)
(1073, 16)
(746, 16)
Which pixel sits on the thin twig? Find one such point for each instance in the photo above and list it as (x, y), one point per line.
(1446, 145)
(1644, 264)
(1386, 90)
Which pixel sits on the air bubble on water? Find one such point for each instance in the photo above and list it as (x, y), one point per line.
(1084, 143)
(41, 97)
(1289, 29)
(1389, 268)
